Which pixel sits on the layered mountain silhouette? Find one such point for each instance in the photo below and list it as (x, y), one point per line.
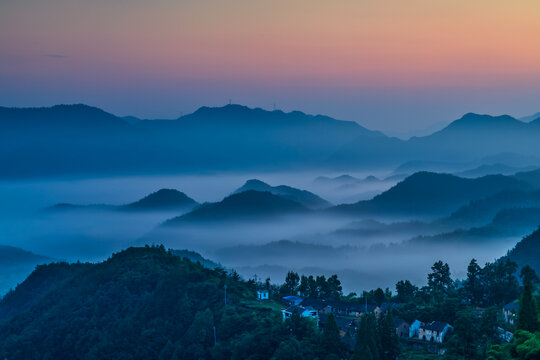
(79, 139)
(483, 210)
(247, 205)
(467, 139)
(161, 200)
(530, 118)
(304, 197)
(15, 265)
(512, 222)
(59, 118)
(433, 193)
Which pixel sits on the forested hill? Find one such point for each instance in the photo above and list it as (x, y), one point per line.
(142, 303)
(527, 251)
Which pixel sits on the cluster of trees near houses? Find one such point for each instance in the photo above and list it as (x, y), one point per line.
(473, 306)
(147, 303)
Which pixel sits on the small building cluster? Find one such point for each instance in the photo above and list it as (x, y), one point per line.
(347, 315)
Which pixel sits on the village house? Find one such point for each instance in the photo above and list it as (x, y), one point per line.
(414, 329)
(263, 295)
(402, 328)
(306, 312)
(434, 331)
(343, 308)
(510, 311)
(323, 306)
(292, 300)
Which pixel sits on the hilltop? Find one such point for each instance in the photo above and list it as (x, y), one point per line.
(434, 193)
(161, 200)
(141, 303)
(304, 197)
(247, 205)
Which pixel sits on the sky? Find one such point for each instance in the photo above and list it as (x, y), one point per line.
(389, 64)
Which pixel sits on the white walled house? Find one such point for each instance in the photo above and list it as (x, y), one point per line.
(414, 329)
(434, 331)
(263, 295)
(306, 312)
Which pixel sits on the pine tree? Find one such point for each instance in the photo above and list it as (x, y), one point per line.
(527, 318)
(388, 337)
(473, 285)
(439, 280)
(362, 349)
(291, 283)
(367, 347)
(331, 340)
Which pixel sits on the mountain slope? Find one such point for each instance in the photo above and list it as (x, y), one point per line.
(78, 139)
(78, 117)
(161, 200)
(142, 303)
(15, 265)
(247, 205)
(70, 139)
(432, 193)
(465, 140)
(526, 251)
(483, 210)
(475, 136)
(304, 197)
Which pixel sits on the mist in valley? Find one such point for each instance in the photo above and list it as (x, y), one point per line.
(365, 250)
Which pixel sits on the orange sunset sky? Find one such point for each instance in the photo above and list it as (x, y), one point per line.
(388, 64)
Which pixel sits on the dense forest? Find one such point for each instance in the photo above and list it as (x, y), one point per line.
(148, 303)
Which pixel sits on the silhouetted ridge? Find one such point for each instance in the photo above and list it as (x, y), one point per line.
(488, 122)
(63, 117)
(245, 205)
(163, 199)
(13, 255)
(527, 251)
(303, 197)
(426, 192)
(109, 309)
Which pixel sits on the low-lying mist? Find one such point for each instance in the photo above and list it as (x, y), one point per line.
(365, 251)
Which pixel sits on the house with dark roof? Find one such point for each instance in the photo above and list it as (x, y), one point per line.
(304, 311)
(434, 331)
(292, 300)
(510, 311)
(323, 306)
(337, 307)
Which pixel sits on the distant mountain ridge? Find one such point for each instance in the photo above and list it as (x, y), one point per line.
(303, 197)
(16, 264)
(161, 200)
(80, 139)
(247, 205)
(433, 193)
(470, 138)
(33, 141)
(60, 117)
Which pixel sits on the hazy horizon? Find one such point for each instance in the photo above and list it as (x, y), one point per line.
(389, 66)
